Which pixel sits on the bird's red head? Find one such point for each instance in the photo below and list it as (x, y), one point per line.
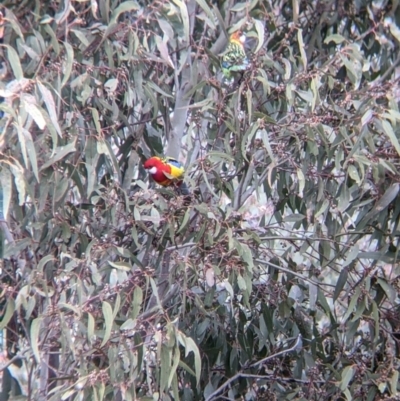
(238, 37)
(152, 162)
(157, 167)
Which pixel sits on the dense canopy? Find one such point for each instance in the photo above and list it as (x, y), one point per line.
(277, 277)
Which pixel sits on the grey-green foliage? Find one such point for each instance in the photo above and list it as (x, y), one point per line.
(114, 289)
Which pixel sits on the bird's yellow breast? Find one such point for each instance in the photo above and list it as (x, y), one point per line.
(176, 172)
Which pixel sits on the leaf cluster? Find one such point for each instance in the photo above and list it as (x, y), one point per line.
(277, 278)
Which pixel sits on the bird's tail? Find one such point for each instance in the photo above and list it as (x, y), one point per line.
(183, 189)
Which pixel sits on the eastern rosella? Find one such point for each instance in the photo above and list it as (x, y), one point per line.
(234, 58)
(167, 171)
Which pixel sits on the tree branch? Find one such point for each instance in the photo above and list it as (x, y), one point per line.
(296, 346)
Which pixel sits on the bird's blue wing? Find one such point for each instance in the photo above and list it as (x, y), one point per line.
(174, 162)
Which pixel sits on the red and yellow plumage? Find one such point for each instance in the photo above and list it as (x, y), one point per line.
(165, 171)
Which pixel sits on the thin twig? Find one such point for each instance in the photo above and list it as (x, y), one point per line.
(181, 246)
(318, 284)
(241, 374)
(11, 361)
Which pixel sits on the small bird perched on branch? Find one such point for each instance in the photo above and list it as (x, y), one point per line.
(234, 58)
(166, 172)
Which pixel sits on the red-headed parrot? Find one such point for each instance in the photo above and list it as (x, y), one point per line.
(166, 172)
